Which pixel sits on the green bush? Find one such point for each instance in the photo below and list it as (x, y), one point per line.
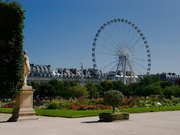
(53, 105)
(175, 100)
(59, 104)
(109, 117)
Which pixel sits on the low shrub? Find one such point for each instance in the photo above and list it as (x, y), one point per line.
(59, 104)
(109, 117)
(53, 105)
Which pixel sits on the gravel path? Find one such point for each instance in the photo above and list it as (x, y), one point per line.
(156, 123)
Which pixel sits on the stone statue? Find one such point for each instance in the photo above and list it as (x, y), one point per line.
(26, 68)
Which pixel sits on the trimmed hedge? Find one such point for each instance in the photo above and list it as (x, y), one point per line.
(11, 48)
(109, 117)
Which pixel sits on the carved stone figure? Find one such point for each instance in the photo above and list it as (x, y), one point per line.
(26, 68)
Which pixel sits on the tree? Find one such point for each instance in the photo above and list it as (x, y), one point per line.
(57, 86)
(113, 98)
(36, 87)
(151, 90)
(46, 90)
(92, 90)
(77, 91)
(66, 85)
(164, 84)
(147, 80)
(133, 89)
(105, 86)
(11, 48)
(171, 91)
(120, 86)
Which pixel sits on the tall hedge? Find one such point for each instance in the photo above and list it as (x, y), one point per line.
(11, 48)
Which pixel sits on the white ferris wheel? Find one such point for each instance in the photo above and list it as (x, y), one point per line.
(121, 50)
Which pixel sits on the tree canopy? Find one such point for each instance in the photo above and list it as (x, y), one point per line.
(113, 98)
(11, 48)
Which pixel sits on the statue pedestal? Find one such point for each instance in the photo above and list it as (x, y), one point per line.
(24, 105)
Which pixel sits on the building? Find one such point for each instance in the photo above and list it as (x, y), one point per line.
(41, 73)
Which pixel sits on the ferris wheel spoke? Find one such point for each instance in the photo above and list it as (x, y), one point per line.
(106, 66)
(141, 66)
(108, 43)
(108, 48)
(138, 70)
(105, 53)
(128, 35)
(133, 37)
(134, 43)
(137, 48)
(109, 38)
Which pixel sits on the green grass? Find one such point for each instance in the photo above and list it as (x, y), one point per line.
(69, 113)
(76, 114)
(150, 109)
(6, 110)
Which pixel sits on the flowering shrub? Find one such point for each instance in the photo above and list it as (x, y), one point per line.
(89, 107)
(96, 101)
(76, 104)
(8, 105)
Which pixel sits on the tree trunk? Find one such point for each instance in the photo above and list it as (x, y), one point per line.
(113, 109)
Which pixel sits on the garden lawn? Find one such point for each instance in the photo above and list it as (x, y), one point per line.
(87, 113)
(69, 113)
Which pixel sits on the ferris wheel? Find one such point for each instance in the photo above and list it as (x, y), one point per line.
(121, 51)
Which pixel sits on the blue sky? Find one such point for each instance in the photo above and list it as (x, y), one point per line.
(61, 32)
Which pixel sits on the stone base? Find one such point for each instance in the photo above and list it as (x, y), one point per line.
(24, 105)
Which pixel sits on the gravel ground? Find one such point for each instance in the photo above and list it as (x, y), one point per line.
(156, 123)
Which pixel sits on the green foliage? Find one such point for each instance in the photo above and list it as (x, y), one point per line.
(105, 86)
(109, 117)
(92, 90)
(78, 91)
(151, 90)
(169, 91)
(149, 85)
(165, 84)
(47, 91)
(145, 88)
(120, 86)
(11, 48)
(147, 80)
(113, 98)
(175, 100)
(59, 104)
